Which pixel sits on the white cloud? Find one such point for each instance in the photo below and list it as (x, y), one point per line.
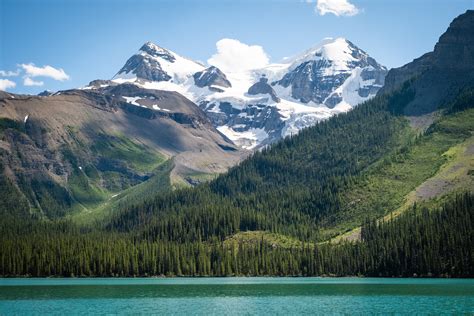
(233, 55)
(336, 7)
(30, 82)
(9, 73)
(46, 71)
(6, 84)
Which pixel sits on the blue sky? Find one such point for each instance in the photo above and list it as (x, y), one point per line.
(84, 40)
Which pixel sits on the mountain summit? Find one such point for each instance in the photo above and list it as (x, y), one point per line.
(316, 75)
(154, 63)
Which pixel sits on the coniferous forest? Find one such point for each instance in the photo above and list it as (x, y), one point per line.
(420, 242)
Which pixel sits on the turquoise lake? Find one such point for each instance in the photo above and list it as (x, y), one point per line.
(236, 296)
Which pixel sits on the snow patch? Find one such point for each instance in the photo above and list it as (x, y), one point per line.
(248, 139)
(133, 100)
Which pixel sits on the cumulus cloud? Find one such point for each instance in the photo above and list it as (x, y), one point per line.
(232, 55)
(6, 84)
(336, 7)
(9, 73)
(30, 82)
(46, 71)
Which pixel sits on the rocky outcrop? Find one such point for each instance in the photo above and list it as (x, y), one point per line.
(262, 87)
(144, 67)
(211, 77)
(157, 52)
(45, 93)
(99, 83)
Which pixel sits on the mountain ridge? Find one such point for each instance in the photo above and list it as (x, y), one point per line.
(332, 77)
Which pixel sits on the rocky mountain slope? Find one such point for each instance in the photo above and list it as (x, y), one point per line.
(76, 149)
(440, 75)
(259, 106)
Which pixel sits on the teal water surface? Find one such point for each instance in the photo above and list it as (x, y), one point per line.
(236, 296)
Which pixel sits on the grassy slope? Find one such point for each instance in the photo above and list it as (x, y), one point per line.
(253, 237)
(92, 188)
(160, 181)
(435, 166)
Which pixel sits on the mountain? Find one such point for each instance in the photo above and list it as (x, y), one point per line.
(440, 75)
(78, 149)
(260, 106)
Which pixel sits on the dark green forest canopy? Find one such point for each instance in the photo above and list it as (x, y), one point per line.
(423, 242)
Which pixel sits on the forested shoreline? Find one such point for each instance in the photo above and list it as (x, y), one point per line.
(420, 242)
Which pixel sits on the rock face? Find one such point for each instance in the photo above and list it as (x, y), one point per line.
(262, 87)
(211, 77)
(455, 48)
(145, 67)
(451, 64)
(248, 127)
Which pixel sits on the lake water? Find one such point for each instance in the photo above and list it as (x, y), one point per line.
(236, 296)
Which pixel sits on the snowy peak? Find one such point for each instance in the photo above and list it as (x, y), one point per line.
(154, 63)
(331, 73)
(336, 55)
(157, 52)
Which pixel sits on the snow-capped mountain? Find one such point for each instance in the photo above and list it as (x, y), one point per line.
(153, 63)
(258, 106)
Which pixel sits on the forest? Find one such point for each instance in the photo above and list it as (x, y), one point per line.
(420, 242)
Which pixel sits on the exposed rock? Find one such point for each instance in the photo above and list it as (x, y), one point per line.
(262, 87)
(45, 93)
(211, 77)
(145, 67)
(451, 64)
(99, 83)
(154, 63)
(157, 51)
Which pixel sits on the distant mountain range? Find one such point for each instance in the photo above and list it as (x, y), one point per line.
(259, 106)
(80, 148)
